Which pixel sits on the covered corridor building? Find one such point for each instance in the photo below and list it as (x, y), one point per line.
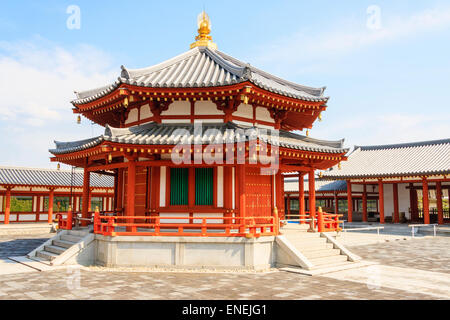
(37, 195)
(407, 182)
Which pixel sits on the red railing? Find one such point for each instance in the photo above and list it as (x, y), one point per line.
(153, 226)
(322, 221)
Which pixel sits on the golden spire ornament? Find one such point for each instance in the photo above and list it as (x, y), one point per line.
(204, 29)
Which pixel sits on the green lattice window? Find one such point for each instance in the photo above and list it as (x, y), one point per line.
(204, 186)
(179, 186)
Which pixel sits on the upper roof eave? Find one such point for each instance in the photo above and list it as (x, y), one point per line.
(235, 72)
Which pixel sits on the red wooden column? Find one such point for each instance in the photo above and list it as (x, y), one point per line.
(349, 202)
(426, 202)
(312, 194)
(118, 197)
(51, 197)
(7, 205)
(242, 204)
(288, 206)
(336, 203)
(413, 203)
(279, 196)
(131, 186)
(86, 196)
(381, 200)
(301, 196)
(396, 209)
(439, 202)
(364, 203)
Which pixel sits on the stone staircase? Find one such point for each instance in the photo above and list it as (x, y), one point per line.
(320, 253)
(64, 243)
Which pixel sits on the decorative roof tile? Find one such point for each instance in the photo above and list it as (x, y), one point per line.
(185, 133)
(50, 177)
(395, 160)
(202, 67)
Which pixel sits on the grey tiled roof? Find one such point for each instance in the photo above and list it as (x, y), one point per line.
(184, 133)
(202, 67)
(407, 159)
(291, 185)
(50, 177)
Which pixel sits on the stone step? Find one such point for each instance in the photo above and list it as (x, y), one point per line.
(308, 241)
(305, 247)
(326, 269)
(46, 255)
(324, 247)
(329, 261)
(54, 249)
(302, 234)
(71, 238)
(78, 233)
(322, 253)
(63, 243)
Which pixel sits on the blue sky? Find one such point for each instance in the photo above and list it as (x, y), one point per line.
(388, 84)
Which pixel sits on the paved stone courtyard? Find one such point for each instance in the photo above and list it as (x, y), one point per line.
(97, 283)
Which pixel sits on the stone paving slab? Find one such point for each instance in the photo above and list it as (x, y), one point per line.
(430, 254)
(81, 284)
(411, 280)
(20, 245)
(409, 257)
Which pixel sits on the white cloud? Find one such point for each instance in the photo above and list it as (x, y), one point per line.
(37, 82)
(38, 78)
(348, 36)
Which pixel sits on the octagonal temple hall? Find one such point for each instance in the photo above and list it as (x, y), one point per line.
(197, 146)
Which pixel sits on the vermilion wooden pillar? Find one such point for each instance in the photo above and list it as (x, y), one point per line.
(301, 196)
(312, 194)
(426, 202)
(86, 196)
(413, 203)
(336, 203)
(364, 203)
(349, 202)
(131, 187)
(51, 198)
(396, 209)
(242, 204)
(288, 206)
(439, 203)
(7, 205)
(279, 194)
(119, 195)
(381, 200)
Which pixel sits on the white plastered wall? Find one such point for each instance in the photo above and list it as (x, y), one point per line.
(206, 108)
(262, 114)
(145, 112)
(220, 187)
(178, 108)
(132, 116)
(162, 187)
(244, 110)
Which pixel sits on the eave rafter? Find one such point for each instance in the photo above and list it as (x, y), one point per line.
(110, 152)
(246, 92)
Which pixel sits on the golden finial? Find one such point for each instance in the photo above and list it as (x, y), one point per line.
(204, 29)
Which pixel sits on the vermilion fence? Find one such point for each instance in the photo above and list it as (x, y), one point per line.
(195, 227)
(113, 225)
